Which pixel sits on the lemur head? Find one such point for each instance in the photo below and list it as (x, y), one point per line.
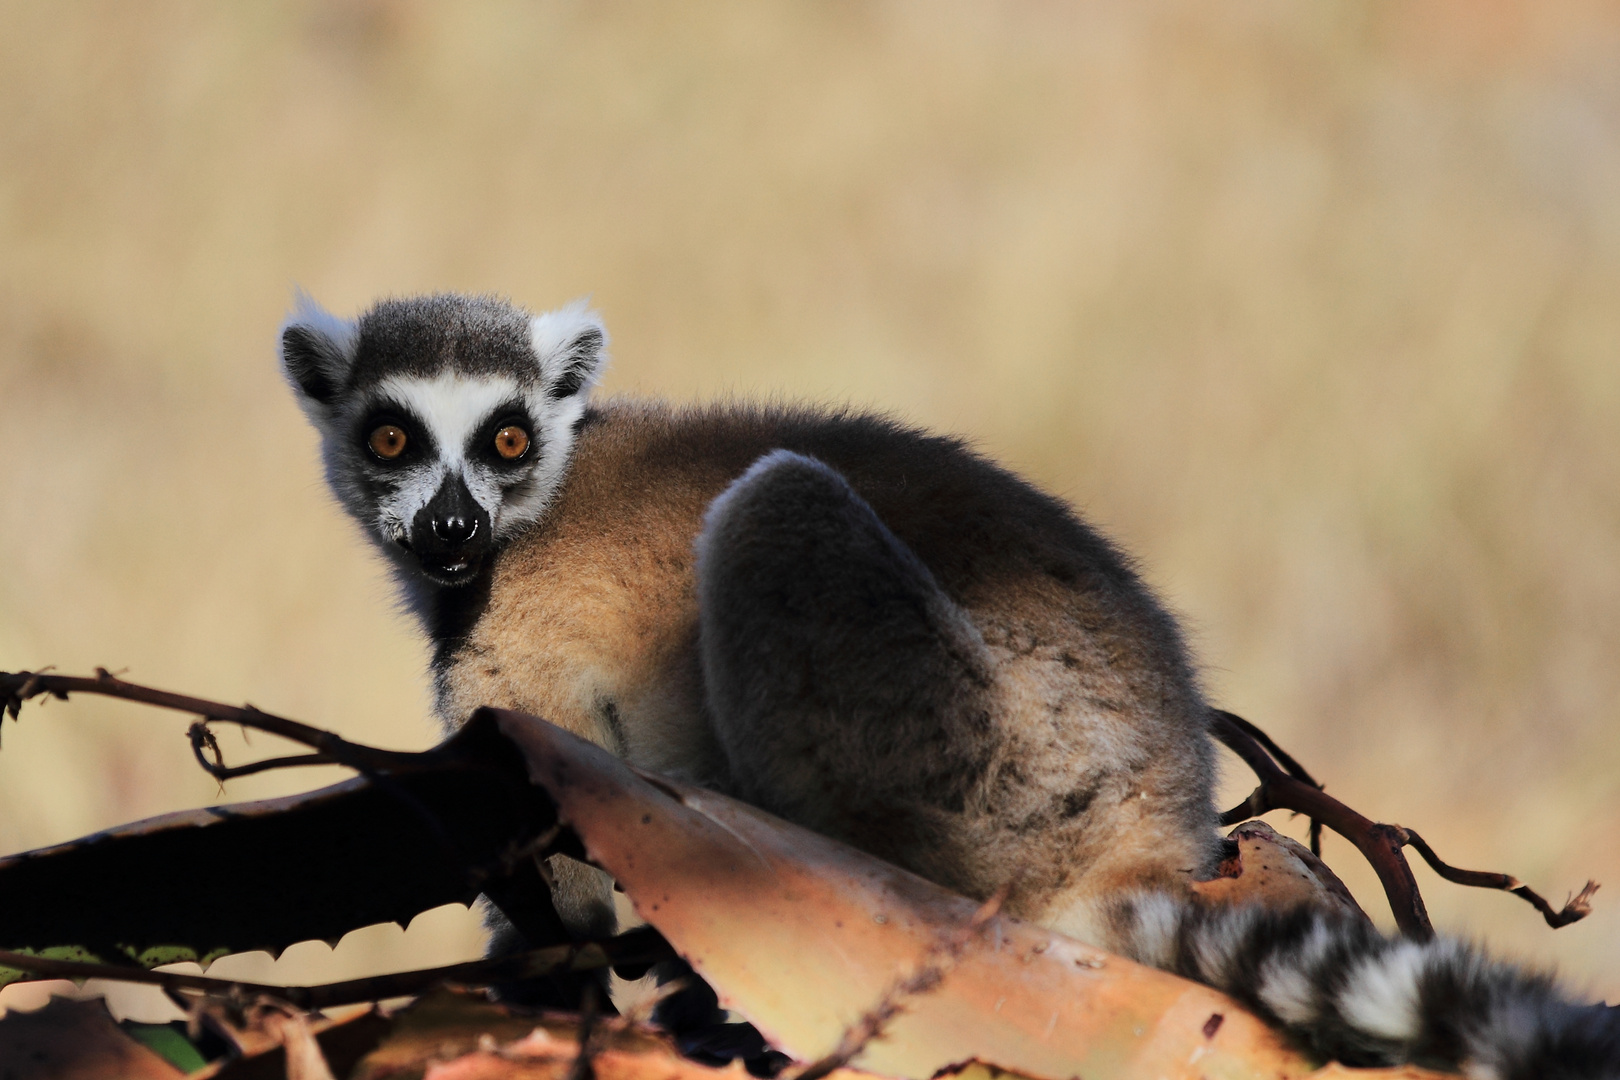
(446, 421)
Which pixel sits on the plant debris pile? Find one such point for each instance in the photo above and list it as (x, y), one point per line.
(839, 963)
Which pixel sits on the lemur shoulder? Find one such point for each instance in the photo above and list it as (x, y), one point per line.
(863, 628)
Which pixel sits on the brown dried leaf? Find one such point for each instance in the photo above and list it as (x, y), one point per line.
(443, 1026)
(1277, 871)
(455, 1033)
(74, 1040)
(341, 1043)
(620, 1050)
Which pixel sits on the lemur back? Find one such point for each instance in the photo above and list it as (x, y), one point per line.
(862, 628)
(1018, 710)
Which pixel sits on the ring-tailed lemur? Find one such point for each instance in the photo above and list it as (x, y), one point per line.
(860, 627)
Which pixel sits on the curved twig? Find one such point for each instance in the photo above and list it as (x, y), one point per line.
(1284, 758)
(202, 738)
(18, 687)
(1292, 767)
(1575, 908)
(1380, 844)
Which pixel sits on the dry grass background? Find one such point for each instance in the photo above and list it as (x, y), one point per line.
(1313, 306)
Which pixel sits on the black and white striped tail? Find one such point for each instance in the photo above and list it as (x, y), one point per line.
(1347, 993)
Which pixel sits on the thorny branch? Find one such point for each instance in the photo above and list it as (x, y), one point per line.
(1289, 787)
(643, 945)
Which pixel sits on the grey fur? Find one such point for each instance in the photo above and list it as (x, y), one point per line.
(850, 693)
(876, 633)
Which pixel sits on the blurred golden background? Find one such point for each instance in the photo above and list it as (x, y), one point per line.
(1314, 307)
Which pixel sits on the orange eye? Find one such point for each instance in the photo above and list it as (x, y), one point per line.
(511, 441)
(388, 441)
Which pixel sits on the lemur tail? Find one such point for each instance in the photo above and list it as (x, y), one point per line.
(1347, 993)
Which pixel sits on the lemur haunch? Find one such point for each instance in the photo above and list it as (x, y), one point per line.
(865, 629)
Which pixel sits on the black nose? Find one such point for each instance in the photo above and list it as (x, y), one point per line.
(455, 528)
(452, 529)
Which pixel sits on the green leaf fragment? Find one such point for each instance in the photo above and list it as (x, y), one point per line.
(168, 1042)
(158, 955)
(151, 957)
(58, 952)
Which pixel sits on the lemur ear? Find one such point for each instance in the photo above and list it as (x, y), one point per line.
(317, 350)
(571, 346)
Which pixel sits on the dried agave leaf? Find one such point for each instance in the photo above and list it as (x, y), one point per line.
(198, 884)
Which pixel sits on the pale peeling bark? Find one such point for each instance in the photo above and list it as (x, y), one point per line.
(807, 938)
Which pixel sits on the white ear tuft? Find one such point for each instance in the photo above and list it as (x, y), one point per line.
(571, 345)
(317, 350)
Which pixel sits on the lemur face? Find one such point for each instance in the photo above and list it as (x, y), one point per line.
(446, 421)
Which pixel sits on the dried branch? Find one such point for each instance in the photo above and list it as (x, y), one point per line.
(1575, 908)
(1291, 788)
(18, 687)
(641, 945)
(203, 739)
(1292, 767)
(583, 1067)
(1379, 844)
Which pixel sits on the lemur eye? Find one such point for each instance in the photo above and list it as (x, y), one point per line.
(511, 441)
(387, 441)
